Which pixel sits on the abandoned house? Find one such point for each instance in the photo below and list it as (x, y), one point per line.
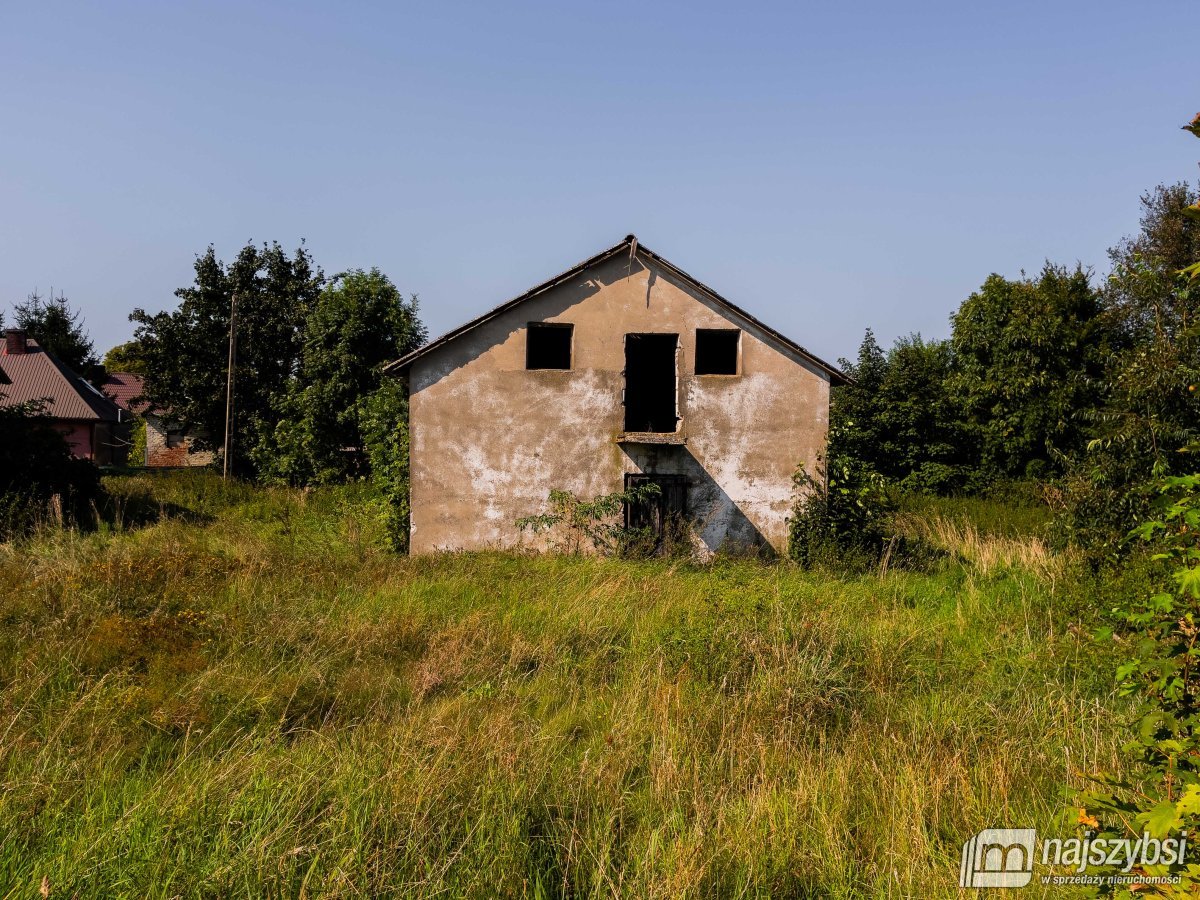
(621, 371)
(168, 444)
(93, 426)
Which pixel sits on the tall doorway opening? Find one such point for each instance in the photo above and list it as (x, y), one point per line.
(650, 382)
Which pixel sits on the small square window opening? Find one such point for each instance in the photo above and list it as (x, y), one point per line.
(548, 345)
(717, 351)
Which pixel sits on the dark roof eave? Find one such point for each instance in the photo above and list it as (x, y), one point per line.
(41, 377)
(403, 362)
(836, 376)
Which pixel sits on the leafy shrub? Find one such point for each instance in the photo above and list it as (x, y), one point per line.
(1163, 672)
(579, 522)
(383, 421)
(841, 517)
(137, 443)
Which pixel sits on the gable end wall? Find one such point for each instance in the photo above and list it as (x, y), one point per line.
(490, 439)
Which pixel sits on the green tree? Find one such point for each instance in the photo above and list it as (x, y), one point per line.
(360, 323)
(1161, 795)
(856, 407)
(1028, 354)
(1152, 409)
(185, 350)
(1150, 404)
(899, 417)
(127, 357)
(924, 447)
(58, 329)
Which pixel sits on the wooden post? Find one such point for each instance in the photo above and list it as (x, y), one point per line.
(229, 372)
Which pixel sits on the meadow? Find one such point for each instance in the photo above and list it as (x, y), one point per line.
(229, 691)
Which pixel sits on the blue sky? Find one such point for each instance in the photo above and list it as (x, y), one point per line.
(827, 166)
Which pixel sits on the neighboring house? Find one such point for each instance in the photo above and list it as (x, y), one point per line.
(94, 427)
(621, 371)
(167, 444)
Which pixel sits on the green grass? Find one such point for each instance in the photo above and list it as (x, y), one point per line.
(247, 699)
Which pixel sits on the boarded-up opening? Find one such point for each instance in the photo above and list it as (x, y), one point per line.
(659, 513)
(548, 345)
(717, 351)
(650, 382)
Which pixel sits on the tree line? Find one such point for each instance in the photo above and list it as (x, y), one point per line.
(1083, 388)
(311, 403)
(309, 357)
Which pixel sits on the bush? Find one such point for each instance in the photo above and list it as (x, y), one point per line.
(1162, 671)
(39, 478)
(841, 517)
(596, 522)
(137, 444)
(383, 420)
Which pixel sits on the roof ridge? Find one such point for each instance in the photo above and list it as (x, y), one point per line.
(90, 395)
(635, 247)
(43, 376)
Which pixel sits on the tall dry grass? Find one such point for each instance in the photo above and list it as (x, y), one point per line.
(985, 552)
(250, 700)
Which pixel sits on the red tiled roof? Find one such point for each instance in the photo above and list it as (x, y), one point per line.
(37, 375)
(124, 388)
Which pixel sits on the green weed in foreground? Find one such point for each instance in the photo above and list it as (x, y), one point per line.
(255, 702)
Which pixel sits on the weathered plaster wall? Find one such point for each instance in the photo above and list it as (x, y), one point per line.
(491, 439)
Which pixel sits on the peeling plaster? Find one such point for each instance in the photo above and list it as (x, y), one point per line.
(490, 439)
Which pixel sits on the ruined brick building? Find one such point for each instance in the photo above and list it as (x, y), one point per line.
(621, 370)
(167, 444)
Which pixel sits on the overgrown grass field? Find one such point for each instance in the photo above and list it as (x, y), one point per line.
(248, 699)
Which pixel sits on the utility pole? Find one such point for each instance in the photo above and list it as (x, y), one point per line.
(229, 384)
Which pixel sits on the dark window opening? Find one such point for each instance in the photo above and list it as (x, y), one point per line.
(660, 513)
(716, 351)
(548, 345)
(175, 436)
(650, 382)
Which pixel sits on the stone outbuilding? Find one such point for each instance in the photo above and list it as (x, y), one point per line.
(620, 371)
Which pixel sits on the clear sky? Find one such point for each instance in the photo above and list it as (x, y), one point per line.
(828, 166)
